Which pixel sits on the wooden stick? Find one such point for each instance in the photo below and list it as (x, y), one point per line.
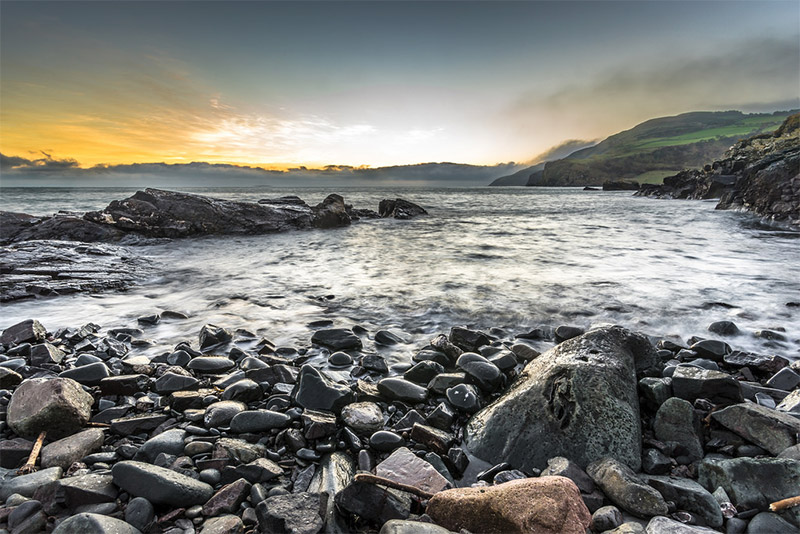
(374, 479)
(30, 465)
(784, 504)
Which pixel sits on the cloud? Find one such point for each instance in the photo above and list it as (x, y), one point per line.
(758, 75)
(562, 150)
(41, 165)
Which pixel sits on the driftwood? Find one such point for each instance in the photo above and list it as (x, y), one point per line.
(785, 503)
(374, 479)
(30, 465)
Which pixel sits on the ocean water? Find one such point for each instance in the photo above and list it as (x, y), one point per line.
(513, 258)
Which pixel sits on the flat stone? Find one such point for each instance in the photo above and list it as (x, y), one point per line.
(258, 421)
(402, 390)
(579, 400)
(548, 505)
(94, 523)
(86, 489)
(124, 384)
(58, 405)
(296, 513)
(440, 383)
(764, 364)
(688, 495)
(125, 426)
(28, 331)
(770, 429)
(26, 485)
(172, 382)
(665, 525)
(626, 490)
(677, 421)
(159, 485)
(239, 450)
(88, 375)
(692, 383)
(210, 364)
(363, 417)
(405, 467)
(337, 339)
(785, 379)
(227, 499)
(259, 470)
(222, 413)
(225, 524)
(65, 451)
(374, 503)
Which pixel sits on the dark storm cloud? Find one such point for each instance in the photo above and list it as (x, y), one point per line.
(45, 164)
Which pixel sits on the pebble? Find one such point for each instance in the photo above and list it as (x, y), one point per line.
(464, 397)
(385, 441)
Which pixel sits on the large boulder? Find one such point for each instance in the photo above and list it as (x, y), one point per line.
(542, 505)
(29, 330)
(160, 485)
(331, 213)
(58, 405)
(579, 400)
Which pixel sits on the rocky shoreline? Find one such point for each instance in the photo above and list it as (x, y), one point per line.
(607, 430)
(75, 253)
(760, 175)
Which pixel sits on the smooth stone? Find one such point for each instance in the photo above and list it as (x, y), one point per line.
(140, 513)
(579, 400)
(159, 485)
(64, 452)
(210, 476)
(315, 391)
(464, 397)
(433, 438)
(677, 421)
(444, 381)
(771, 523)
(340, 359)
(423, 372)
(86, 489)
(26, 485)
(363, 417)
(402, 390)
(220, 414)
(565, 332)
(20, 513)
(486, 374)
(258, 421)
(387, 337)
(665, 525)
(210, 364)
(244, 390)
(692, 383)
(337, 339)
(626, 490)
(88, 375)
(712, 349)
(213, 335)
(549, 505)
(785, 379)
(405, 467)
(399, 526)
(225, 524)
(94, 524)
(723, 328)
(385, 441)
(688, 495)
(58, 405)
(168, 442)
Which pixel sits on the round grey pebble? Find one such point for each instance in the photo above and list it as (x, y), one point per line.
(210, 476)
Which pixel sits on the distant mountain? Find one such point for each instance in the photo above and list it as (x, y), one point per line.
(519, 177)
(557, 152)
(656, 148)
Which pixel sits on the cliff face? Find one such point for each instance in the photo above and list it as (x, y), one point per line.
(760, 174)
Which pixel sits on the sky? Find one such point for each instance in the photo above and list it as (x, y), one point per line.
(280, 85)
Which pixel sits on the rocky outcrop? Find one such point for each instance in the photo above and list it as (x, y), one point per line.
(760, 175)
(399, 209)
(578, 400)
(620, 186)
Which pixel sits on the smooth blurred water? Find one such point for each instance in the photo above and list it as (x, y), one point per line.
(506, 257)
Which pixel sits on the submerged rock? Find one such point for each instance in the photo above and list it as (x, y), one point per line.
(579, 400)
(547, 505)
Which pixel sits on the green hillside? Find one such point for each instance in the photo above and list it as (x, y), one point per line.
(657, 148)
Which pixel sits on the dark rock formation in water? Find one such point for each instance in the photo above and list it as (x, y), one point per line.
(760, 174)
(154, 213)
(578, 400)
(620, 186)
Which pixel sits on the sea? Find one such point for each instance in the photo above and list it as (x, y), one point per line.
(509, 259)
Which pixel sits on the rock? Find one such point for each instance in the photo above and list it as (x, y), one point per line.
(88, 375)
(753, 482)
(625, 489)
(227, 499)
(316, 392)
(28, 331)
(677, 421)
(222, 413)
(791, 403)
(562, 467)
(665, 525)
(630, 527)
(125, 426)
(337, 339)
(64, 452)
(485, 374)
(226, 524)
(770, 335)
(172, 382)
(543, 505)
(405, 467)
(468, 340)
(212, 335)
(387, 337)
(9, 379)
(688, 495)
(440, 383)
(26, 485)
(402, 390)
(785, 379)
(655, 462)
(385, 441)
(244, 390)
(45, 353)
(757, 362)
(464, 397)
(340, 359)
(14, 452)
(296, 513)
(655, 390)
(139, 513)
(238, 450)
(124, 384)
(20, 514)
(771, 523)
(331, 213)
(94, 524)
(363, 417)
(622, 185)
(210, 364)
(82, 490)
(423, 372)
(398, 526)
(259, 470)
(258, 421)
(563, 333)
(58, 405)
(692, 383)
(723, 328)
(159, 485)
(433, 438)
(335, 472)
(399, 209)
(579, 400)
(168, 442)
(770, 429)
(712, 349)
(374, 503)
(606, 518)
